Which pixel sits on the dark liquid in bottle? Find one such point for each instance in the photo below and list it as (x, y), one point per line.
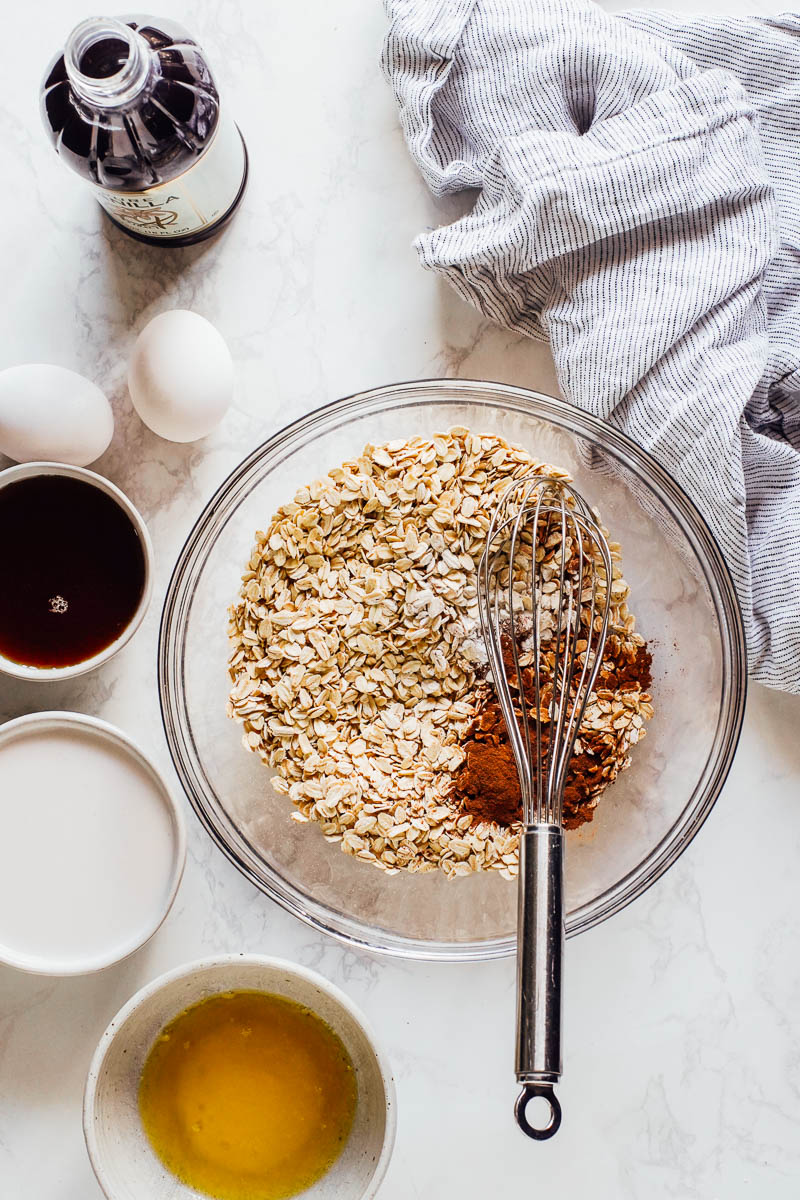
(104, 59)
(73, 571)
(150, 142)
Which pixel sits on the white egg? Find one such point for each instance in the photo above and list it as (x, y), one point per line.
(52, 414)
(180, 376)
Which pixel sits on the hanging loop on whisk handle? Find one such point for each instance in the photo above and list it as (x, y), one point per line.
(543, 1091)
(540, 949)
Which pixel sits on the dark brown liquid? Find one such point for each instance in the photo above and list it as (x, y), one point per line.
(72, 571)
(104, 59)
(154, 140)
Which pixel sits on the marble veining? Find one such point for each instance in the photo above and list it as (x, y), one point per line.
(682, 1034)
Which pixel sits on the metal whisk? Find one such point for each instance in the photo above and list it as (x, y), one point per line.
(544, 594)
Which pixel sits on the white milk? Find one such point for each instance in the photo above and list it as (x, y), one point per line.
(89, 848)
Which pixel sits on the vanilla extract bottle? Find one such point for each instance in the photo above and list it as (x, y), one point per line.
(132, 107)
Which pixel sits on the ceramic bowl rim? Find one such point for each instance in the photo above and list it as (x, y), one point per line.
(31, 470)
(221, 962)
(64, 719)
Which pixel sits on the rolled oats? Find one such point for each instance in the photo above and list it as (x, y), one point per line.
(354, 659)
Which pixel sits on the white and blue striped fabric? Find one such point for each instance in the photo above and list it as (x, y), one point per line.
(639, 206)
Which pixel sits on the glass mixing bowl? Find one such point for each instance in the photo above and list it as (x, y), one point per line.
(685, 607)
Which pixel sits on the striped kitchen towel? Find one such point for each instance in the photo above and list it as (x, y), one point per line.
(639, 207)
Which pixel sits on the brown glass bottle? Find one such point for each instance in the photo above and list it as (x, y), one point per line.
(132, 107)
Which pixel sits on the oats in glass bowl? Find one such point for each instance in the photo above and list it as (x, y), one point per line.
(356, 665)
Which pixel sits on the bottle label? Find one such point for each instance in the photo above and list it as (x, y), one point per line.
(193, 200)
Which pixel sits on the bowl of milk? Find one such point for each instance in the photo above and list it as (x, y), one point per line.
(93, 845)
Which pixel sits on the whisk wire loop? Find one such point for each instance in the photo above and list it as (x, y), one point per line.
(536, 515)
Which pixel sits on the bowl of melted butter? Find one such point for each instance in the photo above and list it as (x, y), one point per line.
(239, 1078)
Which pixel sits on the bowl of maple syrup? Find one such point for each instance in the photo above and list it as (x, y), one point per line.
(77, 570)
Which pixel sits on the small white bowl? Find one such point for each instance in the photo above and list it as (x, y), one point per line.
(123, 1160)
(61, 867)
(34, 469)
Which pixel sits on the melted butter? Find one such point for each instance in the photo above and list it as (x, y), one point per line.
(247, 1096)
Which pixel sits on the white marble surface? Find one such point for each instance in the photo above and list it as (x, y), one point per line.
(683, 1035)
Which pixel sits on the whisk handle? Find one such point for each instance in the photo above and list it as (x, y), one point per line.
(540, 949)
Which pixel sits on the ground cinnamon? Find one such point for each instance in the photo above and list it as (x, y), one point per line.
(626, 672)
(487, 786)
